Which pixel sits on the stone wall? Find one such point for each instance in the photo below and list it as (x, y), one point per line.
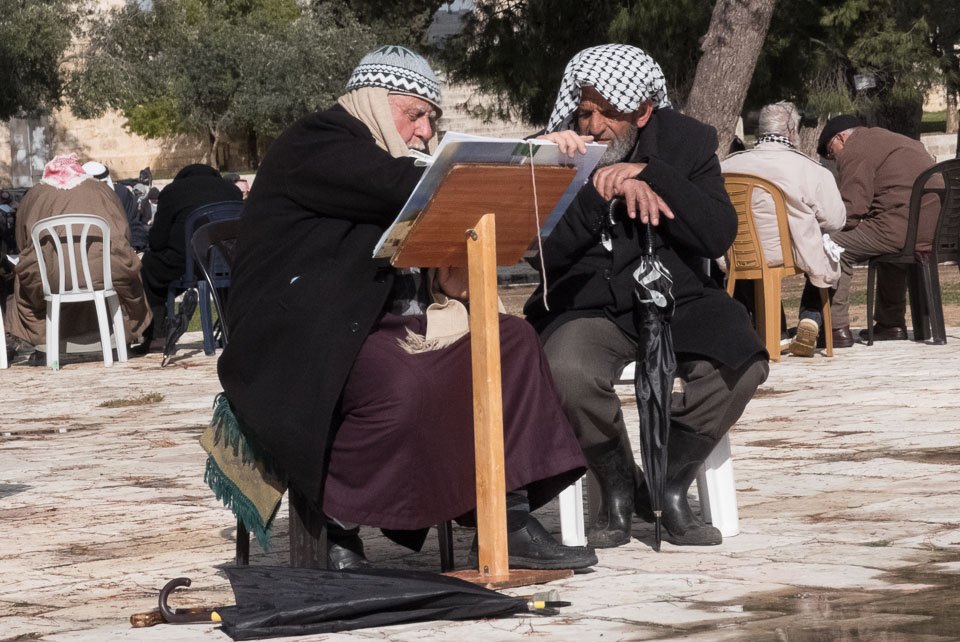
(941, 146)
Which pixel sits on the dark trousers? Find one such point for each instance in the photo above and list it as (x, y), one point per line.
(586, 357)
(859, 244)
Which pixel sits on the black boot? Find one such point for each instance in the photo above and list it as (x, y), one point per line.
(614, 467)
(345, 548)
(685, 454)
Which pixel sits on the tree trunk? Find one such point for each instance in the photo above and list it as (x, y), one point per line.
(252, 149)
(953, 121)
(214, 146)
(730, 50)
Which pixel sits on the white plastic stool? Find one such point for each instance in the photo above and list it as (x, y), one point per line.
(718, 491)
(571, 515)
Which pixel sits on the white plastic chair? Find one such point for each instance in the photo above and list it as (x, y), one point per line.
(63, 226)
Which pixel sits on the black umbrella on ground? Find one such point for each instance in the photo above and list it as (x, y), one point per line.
(656, 366)
(277, 601)
(178, 324)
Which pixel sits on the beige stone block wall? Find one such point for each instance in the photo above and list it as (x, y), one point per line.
(105, 140)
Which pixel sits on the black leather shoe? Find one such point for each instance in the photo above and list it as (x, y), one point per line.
(842, 337)
(884, 333)
(686, 452)
(615, 469)
(533, 547)
(345, 552)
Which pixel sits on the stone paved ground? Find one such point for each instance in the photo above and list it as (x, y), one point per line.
(848, 472)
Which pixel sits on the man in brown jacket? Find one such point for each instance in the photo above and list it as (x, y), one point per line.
(67, 189)
(876, 170)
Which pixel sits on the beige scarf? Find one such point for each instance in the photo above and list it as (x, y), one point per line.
(370, 106)
(447, 319)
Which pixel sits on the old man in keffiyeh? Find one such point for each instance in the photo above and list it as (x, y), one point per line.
(663, 165)
(67, 189)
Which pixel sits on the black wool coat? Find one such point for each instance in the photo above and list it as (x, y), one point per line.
(585, 280)
(306, 292)
(165, 259)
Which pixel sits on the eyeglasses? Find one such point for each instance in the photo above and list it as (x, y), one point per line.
(831, 155)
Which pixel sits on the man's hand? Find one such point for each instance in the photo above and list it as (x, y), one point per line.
(454, 282)
(569, 141)
(642, 201)
(609, 180)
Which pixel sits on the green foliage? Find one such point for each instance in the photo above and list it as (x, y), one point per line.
(516, 50)
(214, 68)
(670, 32)
(34, 38)
(815, 48)
(393, 23)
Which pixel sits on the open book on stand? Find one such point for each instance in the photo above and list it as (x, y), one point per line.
(458, 148)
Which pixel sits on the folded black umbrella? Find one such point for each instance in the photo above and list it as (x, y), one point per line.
(655, 370)
(276, 601)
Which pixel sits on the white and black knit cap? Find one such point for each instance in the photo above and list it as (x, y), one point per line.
(399, 70)
(625, 76)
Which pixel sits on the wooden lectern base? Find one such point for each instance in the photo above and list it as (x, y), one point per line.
(517, 577)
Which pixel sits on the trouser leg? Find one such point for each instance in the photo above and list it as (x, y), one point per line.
(585, 357)
(891, 295)
(711, 401)
(859, 244)
(713, 396)
(810, 303)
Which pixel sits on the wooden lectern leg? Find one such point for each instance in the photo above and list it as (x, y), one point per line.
(487, 400)
(494, 571)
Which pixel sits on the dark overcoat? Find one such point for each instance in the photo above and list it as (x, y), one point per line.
(586, 280)
(306, 292)
(166, 259)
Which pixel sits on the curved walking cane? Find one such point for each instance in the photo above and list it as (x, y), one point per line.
(173, 616)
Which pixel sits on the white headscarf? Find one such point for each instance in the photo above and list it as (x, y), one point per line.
(625, 76)
(99, 171)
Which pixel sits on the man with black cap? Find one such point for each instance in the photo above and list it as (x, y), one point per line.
(343, 372)
(664, 165)
(876, 170)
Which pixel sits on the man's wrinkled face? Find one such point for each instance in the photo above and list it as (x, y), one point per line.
(415, 119)
(617, 130)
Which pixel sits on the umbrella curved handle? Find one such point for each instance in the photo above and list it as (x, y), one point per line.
(183, 616)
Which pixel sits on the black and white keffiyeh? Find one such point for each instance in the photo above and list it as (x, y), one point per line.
(774, 138)
(624, 75)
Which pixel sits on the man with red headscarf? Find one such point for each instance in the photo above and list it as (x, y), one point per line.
(67, 189)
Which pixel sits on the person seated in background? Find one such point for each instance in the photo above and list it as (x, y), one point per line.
(165, 259)
(341, 371)
(239, 181)
(814, 208)
(876, 169)
(148, 206)
(67, 189)
(138, 231)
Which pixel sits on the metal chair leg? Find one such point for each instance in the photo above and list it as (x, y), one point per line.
(445, 535)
